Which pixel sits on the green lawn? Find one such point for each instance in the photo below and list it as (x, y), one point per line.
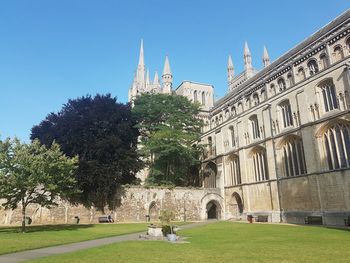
(12, 240)
(228, 242)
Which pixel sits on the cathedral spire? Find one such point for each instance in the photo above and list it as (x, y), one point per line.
(167, 77)
(156, 78)
(230, 69)
(246, 49)
(141, 57)
(166, 69)
(141, 67)
(247, 61)
(266, 58)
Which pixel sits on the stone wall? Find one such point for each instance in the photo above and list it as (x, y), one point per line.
(135, 203)
(253, 199)
(325, 194)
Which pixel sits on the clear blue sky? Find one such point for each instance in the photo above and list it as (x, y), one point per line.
(54, 50)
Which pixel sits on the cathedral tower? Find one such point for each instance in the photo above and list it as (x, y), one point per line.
(167, 77)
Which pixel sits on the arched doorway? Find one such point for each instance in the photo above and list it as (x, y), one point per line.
(237, 204)
(209, 175)
(153, 212)
(213, 210)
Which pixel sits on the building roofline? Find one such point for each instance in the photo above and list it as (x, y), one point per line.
(194, 82)
(343, 17)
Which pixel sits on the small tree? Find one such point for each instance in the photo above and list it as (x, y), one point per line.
(34, 174)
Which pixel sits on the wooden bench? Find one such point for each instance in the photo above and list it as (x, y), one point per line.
(314, 220)
(103, 219)
(347, 221)
(262, 218)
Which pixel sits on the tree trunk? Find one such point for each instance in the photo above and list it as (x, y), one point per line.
(23, 216)
(167, 171)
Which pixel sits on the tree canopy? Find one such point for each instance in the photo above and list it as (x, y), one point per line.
(32, 173)
(169, 128)
(102, 133)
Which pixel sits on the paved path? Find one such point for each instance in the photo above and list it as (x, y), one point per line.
(51, 251)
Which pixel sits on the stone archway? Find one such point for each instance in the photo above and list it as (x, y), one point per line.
(237, 204)
(206, 203)
(153, 211)
(213, 210)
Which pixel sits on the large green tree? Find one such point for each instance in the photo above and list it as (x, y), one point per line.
(101, 132)
(34, 174)
(170, 128)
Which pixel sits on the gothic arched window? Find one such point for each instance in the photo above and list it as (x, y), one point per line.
(272, 90)
(263, 94)
(232, 136)
(240, 107)
(324, 61)
(281, 84)
(293, 157)
(195, 98)
(227, 114)
(337, 146)
(247, 103)
(329, 95)
(313, 67)
(286, 113)
(260, 165)
(290, 80)
(348, 44)
(301, 74)
(254, 123)
(256, 99)
(235, 172)
(233, 110)
(209, 175)
(338, 53)
(203, 98)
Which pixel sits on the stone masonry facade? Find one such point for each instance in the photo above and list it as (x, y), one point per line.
(135, 203)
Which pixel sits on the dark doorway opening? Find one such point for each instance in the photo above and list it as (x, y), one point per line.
(213, 210)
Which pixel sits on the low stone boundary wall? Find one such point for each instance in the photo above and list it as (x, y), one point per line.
(137, 204)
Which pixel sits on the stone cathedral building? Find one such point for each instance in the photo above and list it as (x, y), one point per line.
(278, 143)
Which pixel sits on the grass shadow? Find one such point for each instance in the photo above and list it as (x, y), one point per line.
(43, 228)
(335, 227)
(340, 228)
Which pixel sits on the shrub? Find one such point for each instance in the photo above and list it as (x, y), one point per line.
(166, 216)
(166, 229)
